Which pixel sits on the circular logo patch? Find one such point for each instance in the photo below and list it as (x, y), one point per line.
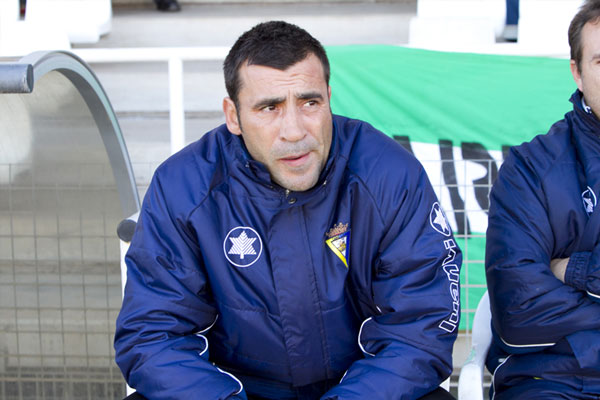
(438, 220)
(242, 246)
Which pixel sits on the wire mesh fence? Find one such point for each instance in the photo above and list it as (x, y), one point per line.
(59, 283)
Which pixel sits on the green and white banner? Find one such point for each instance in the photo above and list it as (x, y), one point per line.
(459, 114)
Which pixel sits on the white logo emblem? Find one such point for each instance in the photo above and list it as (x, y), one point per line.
(242, 246)
(589, 200)
(438, 220)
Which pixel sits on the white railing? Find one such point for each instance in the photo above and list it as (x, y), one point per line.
(174, 57)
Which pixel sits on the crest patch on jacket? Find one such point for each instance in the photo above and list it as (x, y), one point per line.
(339, 240)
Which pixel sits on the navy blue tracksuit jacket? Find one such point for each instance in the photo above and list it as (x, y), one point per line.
(542, 207)
(238, 287)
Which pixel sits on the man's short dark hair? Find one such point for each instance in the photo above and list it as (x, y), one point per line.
(589, 12)
(275, 44)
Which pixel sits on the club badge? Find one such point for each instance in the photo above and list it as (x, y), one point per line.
(242, 246)
(339, 240)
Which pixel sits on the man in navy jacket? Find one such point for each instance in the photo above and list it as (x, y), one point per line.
(543, 250)
(290, 253)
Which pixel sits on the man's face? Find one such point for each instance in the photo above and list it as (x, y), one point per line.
(285, 120)
(587, 76)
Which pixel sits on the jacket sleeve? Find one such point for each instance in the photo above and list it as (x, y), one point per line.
(159, 342)
(583, 272)
(531, 309)
(407, 341)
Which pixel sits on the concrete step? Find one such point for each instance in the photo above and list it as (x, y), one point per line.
(147, 3)
(221, 24)
(139, 91)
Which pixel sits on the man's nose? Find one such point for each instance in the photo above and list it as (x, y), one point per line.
(291, 126)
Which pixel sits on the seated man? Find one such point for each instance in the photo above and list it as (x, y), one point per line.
(543, 250)
(290, 253)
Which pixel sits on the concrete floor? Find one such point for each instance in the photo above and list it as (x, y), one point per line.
(221, 24)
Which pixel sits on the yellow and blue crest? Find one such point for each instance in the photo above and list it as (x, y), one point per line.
(339, 241)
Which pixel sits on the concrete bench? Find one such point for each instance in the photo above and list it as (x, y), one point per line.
(473, 25)
(84, 20)
(52, 25)
(18, 37)
(450, 24)
(545, 23)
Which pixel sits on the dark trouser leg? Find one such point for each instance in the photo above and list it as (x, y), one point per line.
(539, 389)
(167, 5)
(512, 12)
(438, 394)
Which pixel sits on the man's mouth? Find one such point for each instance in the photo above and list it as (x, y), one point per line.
(295, 160)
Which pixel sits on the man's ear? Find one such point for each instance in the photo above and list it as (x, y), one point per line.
(231, 116)
(329, 92)
(576, 75)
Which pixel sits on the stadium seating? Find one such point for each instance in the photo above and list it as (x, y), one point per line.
(52, 25)
(474, 25)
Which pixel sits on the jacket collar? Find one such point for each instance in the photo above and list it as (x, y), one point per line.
(583, 118)
(585, 136)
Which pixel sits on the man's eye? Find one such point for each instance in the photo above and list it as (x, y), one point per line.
(311, 103)
(269, 108)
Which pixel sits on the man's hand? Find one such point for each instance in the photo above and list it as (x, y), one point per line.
(558, 266)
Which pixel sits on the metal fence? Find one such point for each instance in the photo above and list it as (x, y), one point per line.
(60, 288)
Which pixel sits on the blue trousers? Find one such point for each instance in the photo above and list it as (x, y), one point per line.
(543, 390)
(512, 12)
(438, 394)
